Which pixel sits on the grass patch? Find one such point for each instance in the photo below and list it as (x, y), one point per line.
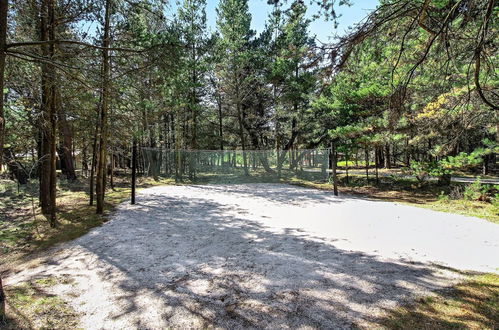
(409, 191)
(354, 164)
(464, 207)
(24, 230)
(31, 306)
(473, 304)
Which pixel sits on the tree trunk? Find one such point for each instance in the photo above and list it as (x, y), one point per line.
(84, 162)
(111, 170)
(4, 5)
(346, 166)
(65, 143)
(93, 164)
(134, 169)
(485, 165)
(2, 302)
(388, 162)
(194, 101)
(281, 157)
(334, 163)
(366, 151)
(100, 186)
(48, 116)
(178, 151)
(407, 153)
(377, 162)
(220, 127)
(241, 135)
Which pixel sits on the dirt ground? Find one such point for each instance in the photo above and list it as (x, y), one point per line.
(261, 255)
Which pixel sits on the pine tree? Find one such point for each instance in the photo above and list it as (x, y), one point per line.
(192, 22)
(234, 22)
(292, 75)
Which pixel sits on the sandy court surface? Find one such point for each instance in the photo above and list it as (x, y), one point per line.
(261, 256)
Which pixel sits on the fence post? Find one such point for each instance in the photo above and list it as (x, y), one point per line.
(134, 169)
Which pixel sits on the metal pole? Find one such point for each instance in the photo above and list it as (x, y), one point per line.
(134, 169)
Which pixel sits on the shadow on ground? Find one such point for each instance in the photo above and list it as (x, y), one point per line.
(198, 263)
(280, 193)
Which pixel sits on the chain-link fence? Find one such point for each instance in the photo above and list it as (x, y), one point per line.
(235, 165)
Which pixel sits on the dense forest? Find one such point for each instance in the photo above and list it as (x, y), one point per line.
(414, 84)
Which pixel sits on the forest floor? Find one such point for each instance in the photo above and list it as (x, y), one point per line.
(270, 255)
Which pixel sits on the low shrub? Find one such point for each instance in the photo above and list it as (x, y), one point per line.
(477, 191)
(424, 170)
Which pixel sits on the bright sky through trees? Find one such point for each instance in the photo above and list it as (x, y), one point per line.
(350, 15)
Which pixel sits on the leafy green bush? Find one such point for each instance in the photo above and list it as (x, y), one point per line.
(424, 170)
(419, 170)
(495, 203)
(495, 200)
(477, 191)
(462, 161)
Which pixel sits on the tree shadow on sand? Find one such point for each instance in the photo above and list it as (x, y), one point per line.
(205, 264)
(275, 192)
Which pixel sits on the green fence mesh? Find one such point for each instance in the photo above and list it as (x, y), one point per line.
(225, 166)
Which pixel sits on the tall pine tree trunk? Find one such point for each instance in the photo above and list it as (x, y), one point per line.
(48, 116)
(241, 132)
(4, 4)
(388, 162)
(366, 154)
(111, 170)
(178, 147)
(93, 164)
(220, 127)
(100, 186)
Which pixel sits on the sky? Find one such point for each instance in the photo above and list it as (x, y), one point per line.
(322, 29)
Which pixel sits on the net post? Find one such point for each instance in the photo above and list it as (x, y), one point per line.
(134, 170)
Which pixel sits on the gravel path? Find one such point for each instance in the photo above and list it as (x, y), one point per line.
(261, 255)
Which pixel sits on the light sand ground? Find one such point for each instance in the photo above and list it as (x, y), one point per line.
(261, 255)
